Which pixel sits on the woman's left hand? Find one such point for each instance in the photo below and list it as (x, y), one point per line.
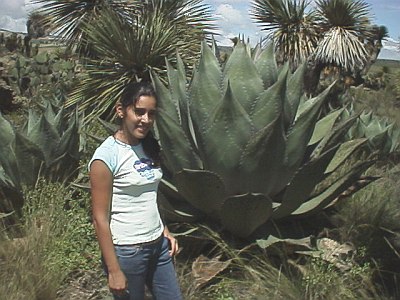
(173, 242)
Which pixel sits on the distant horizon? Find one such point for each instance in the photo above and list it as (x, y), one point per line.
(389, 51)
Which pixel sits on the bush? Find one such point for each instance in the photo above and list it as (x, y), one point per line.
(54, 238)
(370, 219)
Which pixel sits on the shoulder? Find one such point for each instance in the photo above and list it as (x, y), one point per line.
(106, 152)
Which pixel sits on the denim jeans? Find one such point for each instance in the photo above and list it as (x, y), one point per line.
(150, 265)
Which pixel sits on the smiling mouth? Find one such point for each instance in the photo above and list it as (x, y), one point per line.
(142, 128)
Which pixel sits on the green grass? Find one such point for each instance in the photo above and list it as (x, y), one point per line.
(257, 274)
(370, 220)
(54, 238)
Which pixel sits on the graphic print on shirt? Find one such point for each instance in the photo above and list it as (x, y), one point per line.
(143, 166)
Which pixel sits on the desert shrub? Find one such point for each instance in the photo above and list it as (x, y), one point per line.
(54, 238)
(253, 273)
(323, 280)
(370, 219)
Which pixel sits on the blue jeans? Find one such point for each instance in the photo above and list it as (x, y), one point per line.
(150, 265)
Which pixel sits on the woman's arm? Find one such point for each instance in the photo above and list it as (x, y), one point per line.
(101, 190)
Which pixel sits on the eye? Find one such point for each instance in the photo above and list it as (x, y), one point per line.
(142, 111)
(139, 111)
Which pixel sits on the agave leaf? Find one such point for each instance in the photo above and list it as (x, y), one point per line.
(174, 205)
(177, 148)
(205, 190)
(44, 135)
(302, 184)
(324, 126)
(33, 119)
(29, 158)
(297, 244)
(266, 66)
(8, 161)
(7, 135)
(241, 74)
(301, 132)
(49, 113)
(378, 139)
(242, 214)
(270, 104)
(345, 151)
(58, 120)
(334, 136)
(261, 159)
(177, 87)
(169, 98)
(325, 197)
(294, 91)
(69, 142)
(205, 89)
(171, 213)
(230, 128)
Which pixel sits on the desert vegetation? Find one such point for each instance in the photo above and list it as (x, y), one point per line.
(280, 160)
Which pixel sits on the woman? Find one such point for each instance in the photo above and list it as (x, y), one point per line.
(136, 246)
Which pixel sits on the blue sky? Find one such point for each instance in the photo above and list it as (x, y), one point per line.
(232, 18)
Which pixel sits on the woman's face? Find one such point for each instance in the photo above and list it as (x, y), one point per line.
(137, 119)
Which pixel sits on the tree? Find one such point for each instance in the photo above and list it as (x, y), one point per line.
(37, 25)
(67, 17)
(127, 43)
(293, 31)
(339, 32)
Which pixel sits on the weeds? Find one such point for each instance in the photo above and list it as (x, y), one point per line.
(54, 238)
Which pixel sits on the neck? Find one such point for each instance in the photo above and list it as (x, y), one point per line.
(126, 138)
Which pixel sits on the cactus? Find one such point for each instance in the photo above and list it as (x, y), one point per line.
(43, 69)
(245, 146)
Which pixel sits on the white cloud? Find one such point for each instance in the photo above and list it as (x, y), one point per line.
(9, 23)
(13, 8)
(231, 1)
(233, 22)
(14, 13)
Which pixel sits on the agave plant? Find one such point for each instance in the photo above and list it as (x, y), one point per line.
(383, 136)
(48, 145)
(245, 146)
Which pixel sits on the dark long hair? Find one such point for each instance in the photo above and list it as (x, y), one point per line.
(130, 96)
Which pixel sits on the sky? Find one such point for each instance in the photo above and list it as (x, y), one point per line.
(232, 17)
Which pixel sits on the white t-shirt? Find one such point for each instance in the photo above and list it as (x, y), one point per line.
(134, 214)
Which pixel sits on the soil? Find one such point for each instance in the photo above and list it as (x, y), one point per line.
(85, 284)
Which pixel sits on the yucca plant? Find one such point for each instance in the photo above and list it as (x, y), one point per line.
(245, 146)
(47, 145)
(333, 33)
(121, 41)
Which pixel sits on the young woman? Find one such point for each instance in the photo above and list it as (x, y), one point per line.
(136, 246)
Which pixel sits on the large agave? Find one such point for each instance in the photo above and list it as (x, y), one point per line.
(245, 146)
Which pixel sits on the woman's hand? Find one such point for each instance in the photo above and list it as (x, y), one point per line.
(117, 283)
(173, 242)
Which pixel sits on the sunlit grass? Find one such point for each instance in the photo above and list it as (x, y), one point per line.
(51, 241)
